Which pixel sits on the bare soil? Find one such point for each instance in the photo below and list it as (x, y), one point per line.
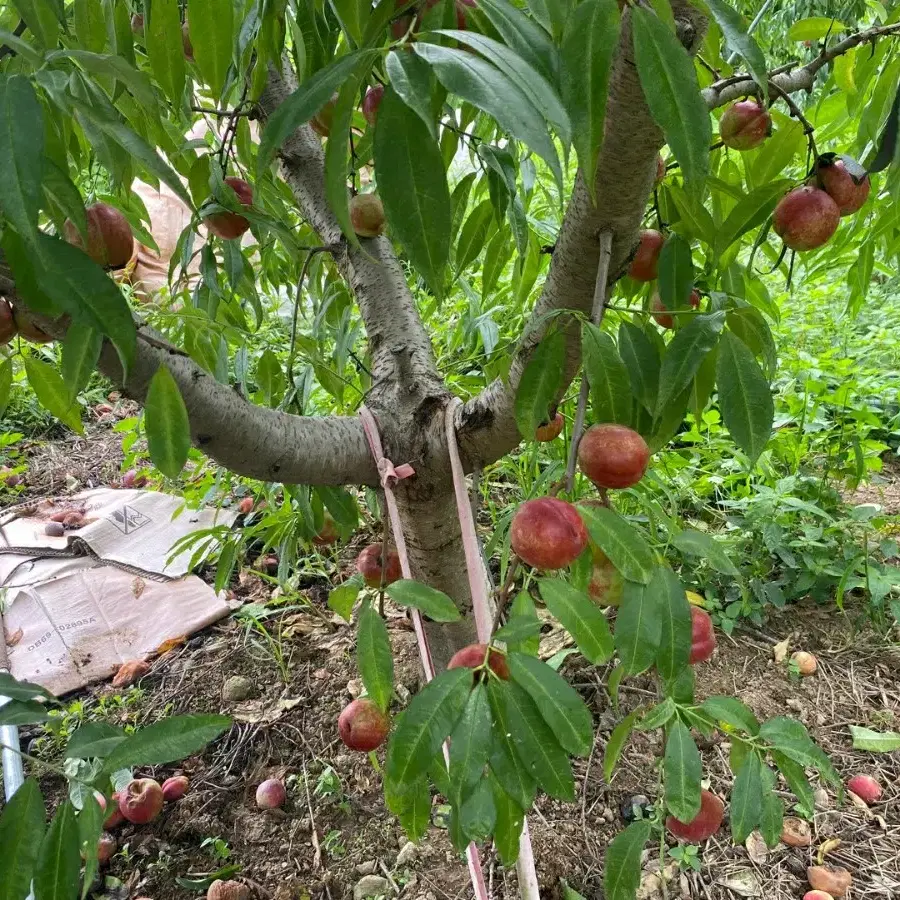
(334, 827)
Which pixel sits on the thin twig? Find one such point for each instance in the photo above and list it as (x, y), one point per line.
(597, 312)
(306, 263)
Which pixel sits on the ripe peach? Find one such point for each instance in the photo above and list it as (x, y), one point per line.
(367, 215)
(271, 794)
(865, 787)
(547, 533)
(745, 125)
(141, 801)
(227, 890)
(369, 565)
(548, 431)
(832, 879)
(806, 218)
(703, 637)
(840, 185)
(473, 656)
(229, 225)
(645, 264)
(817, 895)
(131, 479)
(321, 121)
(110, 241)
(137, 24)
(73, 521)
(8, 328)
(805, 662)
(704, 825)
(245, 507)
(363, 726)
(106, 848)
(371, 102)
(115, 817)
(175, 788)
(613, 456)
(661, 313)
(28, 330)
(606, 584)
(328, 534)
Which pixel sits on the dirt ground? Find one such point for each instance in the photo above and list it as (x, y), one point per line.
(335, 829)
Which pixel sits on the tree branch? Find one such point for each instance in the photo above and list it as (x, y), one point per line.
(247, 439)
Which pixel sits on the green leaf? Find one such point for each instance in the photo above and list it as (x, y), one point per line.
(697, 543)
(588, 48)
(511, 772)
(167, 424)
(750, 211)
(523, 36)
(536, 744)
(431, 602)
(540, 383)
(269, 377)
(105, 64)
(580, 617)
(476, 817)
(80, 352)
(412, 185)
(412, 79)
(6, 375)
(212, 23)
(623, 544)
(746, 798)
(94, 739)
(638, 625)
(374, 656)
(815, 28)
(166, 741)
(732, 712)
(508, 827)
(523, 610)
(41, 18)
(415, 817)
(771, 820)
(792, 739)
(684, 769)
(684, 354)
(472, 235)
(750, 326)
(21, 834)
(607, 375)
(22, 690)
(675, 618)
(63, 198)
(59, 862)
(90, 27)
(739, 40)
(341, 504)
(343, 597)
(303, 104)
(745, 398)
(477, 81)
(425, 723)
(90, 827)
(622, 867)
(676, 273)
(670, 86)
(796, 778)
(21, 152)
(874, 741)
(470, 745)
(518, 630)
(642, 362)
(659, 715)
(165, 47)
(559, 703)
(52, 394)
(541, 93)
(23, 712)
(616, 743)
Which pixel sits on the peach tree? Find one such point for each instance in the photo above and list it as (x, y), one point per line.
(613, 179)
